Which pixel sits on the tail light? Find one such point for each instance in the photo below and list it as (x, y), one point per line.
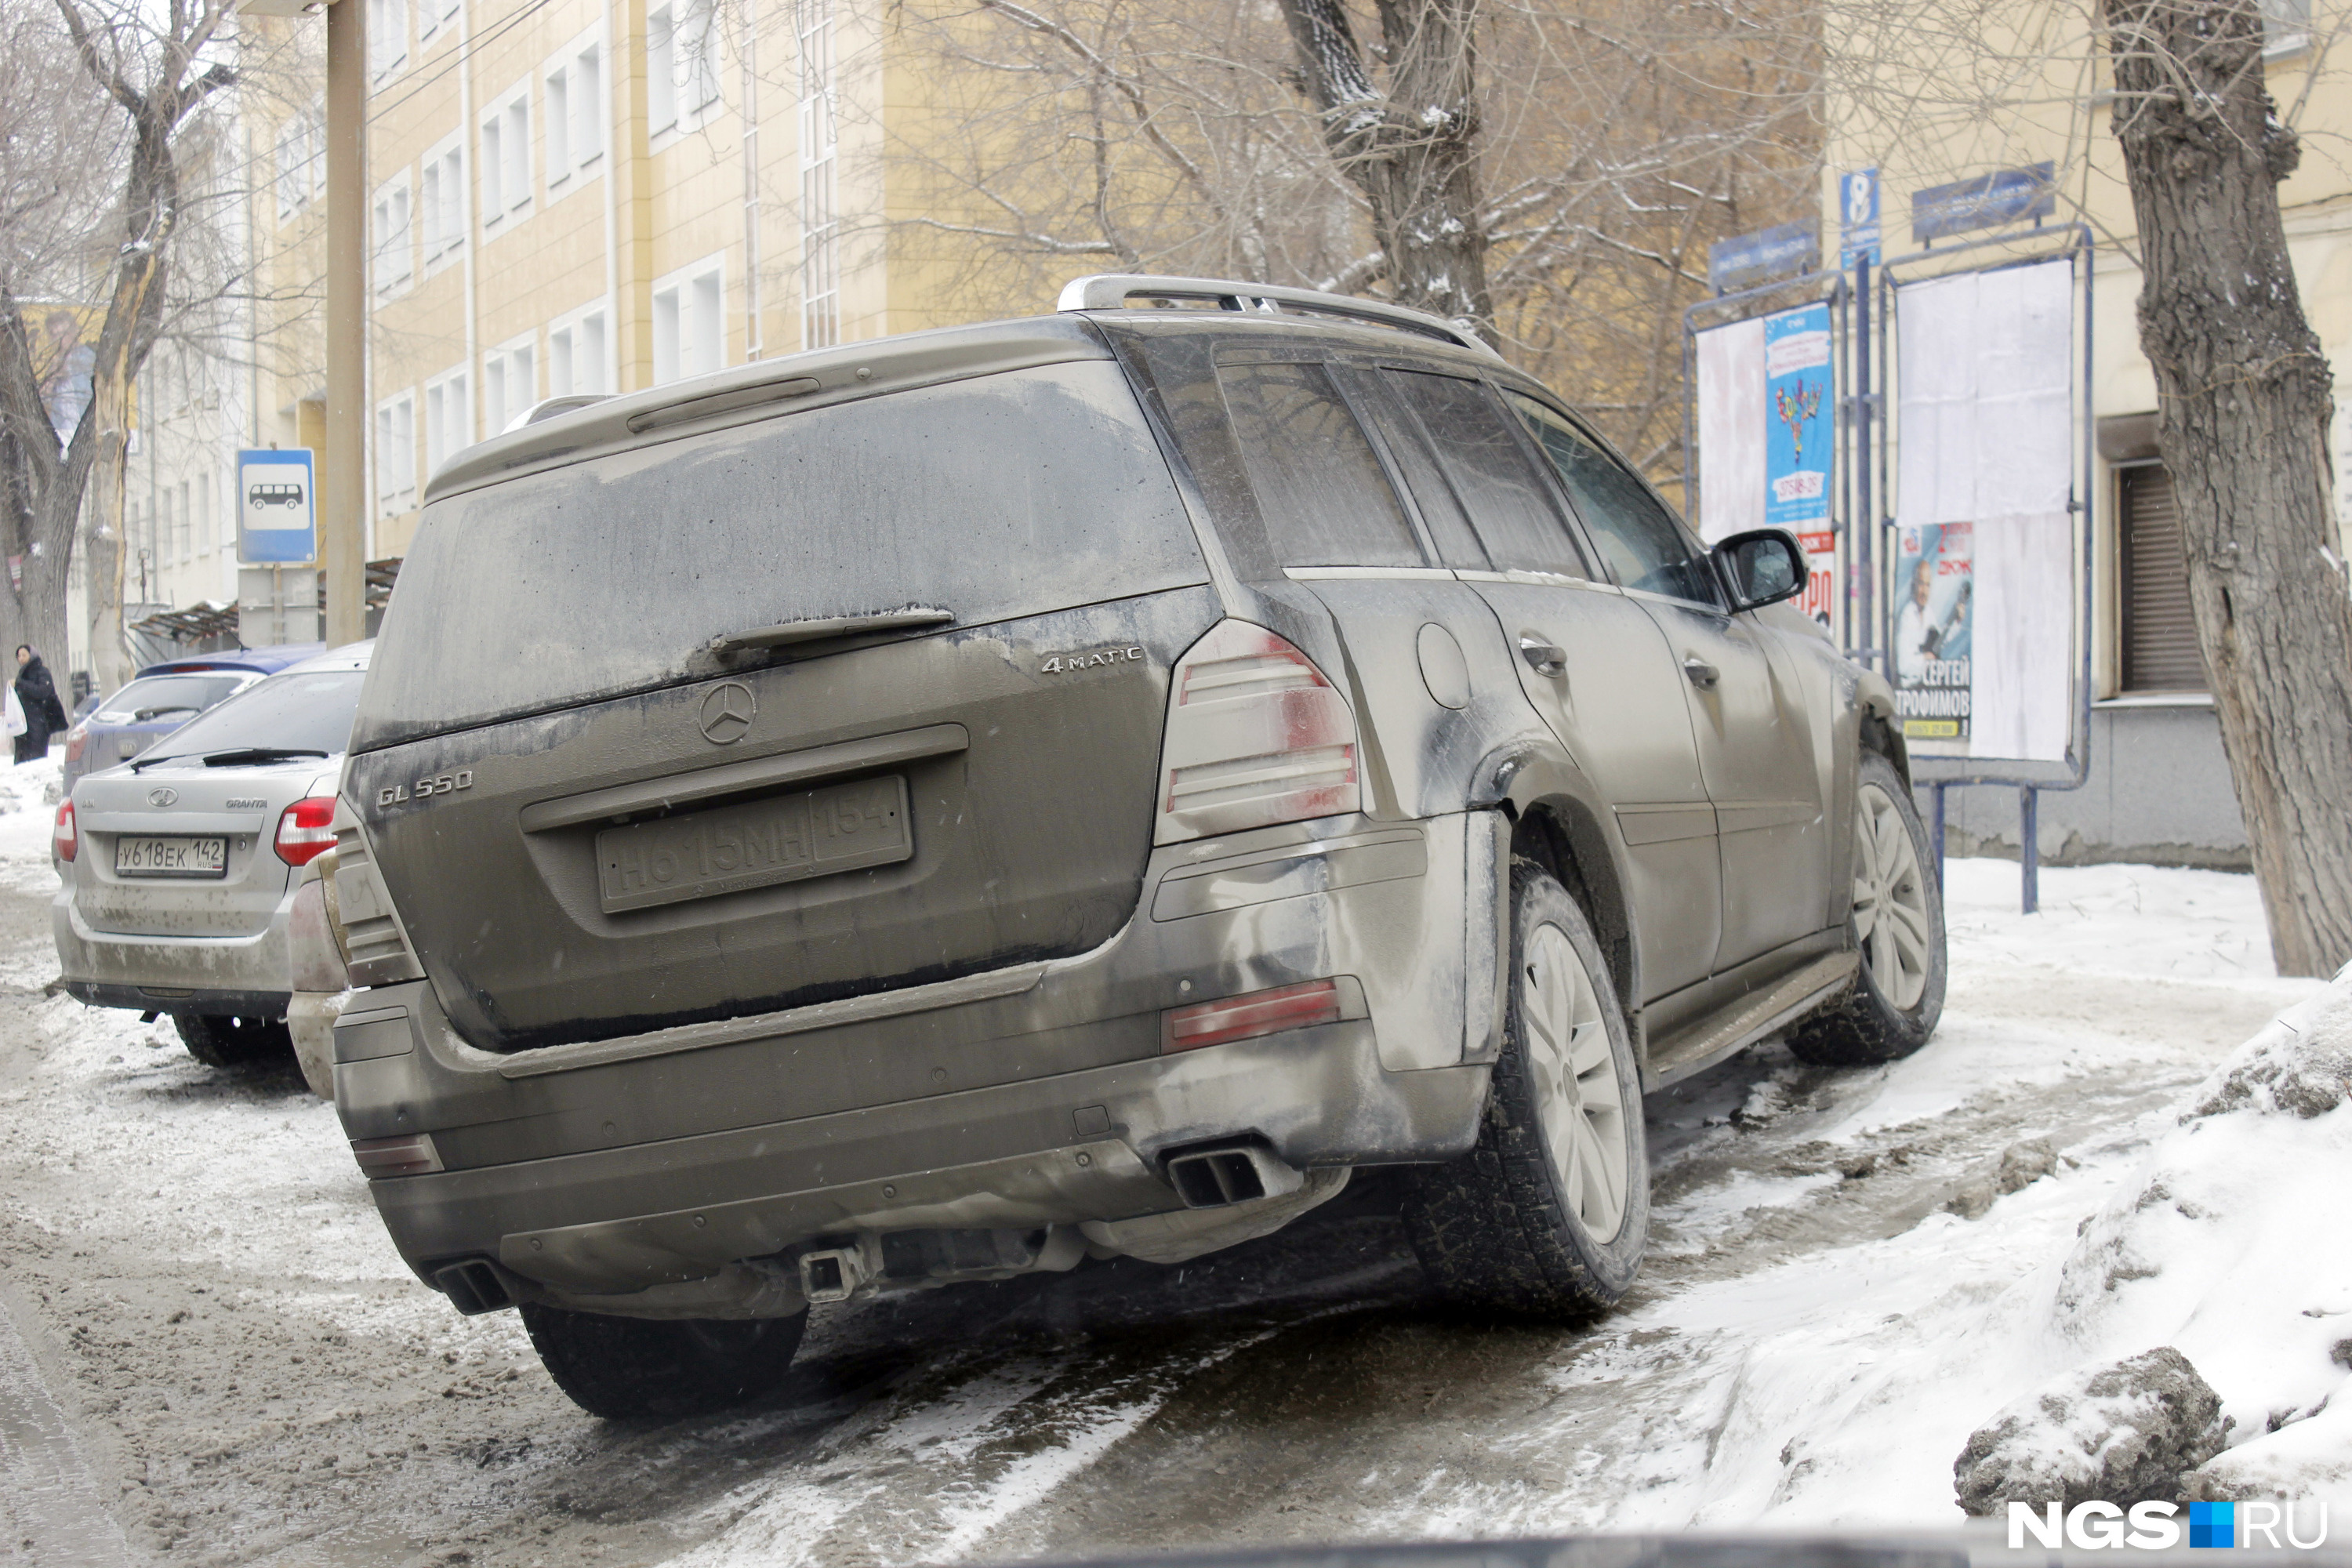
(62, 838)
(76, 739)
(1250, 1014)
(306, 830)
(1256, 736)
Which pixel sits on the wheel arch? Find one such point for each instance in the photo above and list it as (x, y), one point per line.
(1557, 821)
(1874, 705)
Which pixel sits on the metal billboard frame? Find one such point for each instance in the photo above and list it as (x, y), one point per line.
(2074, 243)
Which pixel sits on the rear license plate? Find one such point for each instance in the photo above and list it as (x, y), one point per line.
(170, 857)
(783, 839)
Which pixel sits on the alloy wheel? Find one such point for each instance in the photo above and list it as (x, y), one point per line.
(1890, 899)
(1573, 1070)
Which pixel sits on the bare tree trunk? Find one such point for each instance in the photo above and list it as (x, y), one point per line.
(2243, 406)
(1410, 148)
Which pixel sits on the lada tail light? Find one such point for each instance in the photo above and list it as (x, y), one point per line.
(63, 837)
(1256, 736)
(1249, 1016)
(306, 830)
(76, 742)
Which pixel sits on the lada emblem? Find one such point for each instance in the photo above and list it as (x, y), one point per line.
(163, 797)
(726, 710)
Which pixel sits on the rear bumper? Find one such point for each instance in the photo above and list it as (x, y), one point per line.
(224, 977)
(1032, 1097)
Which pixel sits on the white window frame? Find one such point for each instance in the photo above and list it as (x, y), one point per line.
(392, 230)
(501, 403)
(682, 68)
(505, 160)
(573, 85)
(690, 311)
(294, 145)
(441, 205)
(448, 418)
(431, 16)
(387, 38)
(820, 221)
(580, 352)
(395, 454)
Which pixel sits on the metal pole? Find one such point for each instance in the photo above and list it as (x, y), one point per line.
(1939, 835)
(342, 519)
(2029, 847)
(1864, 513)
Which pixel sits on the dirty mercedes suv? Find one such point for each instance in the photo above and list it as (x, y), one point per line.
(959, 806)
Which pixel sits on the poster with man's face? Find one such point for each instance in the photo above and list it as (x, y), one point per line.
(1936, 591)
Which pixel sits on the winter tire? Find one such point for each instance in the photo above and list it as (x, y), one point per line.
(1549, 1215)
(232, 1042)
(1898, 924)
(637, 1368)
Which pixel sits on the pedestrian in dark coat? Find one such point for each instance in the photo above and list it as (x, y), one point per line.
(36, 690)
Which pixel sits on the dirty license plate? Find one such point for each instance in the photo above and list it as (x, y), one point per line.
(783, 839)
(175, 856)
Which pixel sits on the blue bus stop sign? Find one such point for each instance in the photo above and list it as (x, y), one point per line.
(276, 515)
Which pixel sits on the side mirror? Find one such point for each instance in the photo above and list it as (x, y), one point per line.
(1761, 567)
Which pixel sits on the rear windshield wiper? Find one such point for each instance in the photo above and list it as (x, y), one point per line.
(146, 713)
(826, 630)
(238, 757)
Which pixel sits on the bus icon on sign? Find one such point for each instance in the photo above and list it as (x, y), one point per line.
(277, 492)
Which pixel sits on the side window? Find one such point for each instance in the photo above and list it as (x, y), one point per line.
(1489, 472)
(1321, 490)
(1645, 546)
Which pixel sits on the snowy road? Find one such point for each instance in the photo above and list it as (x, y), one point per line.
(251, 1376)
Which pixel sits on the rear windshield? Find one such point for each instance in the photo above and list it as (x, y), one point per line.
(308, 713)
(167, 697)
(992, 497)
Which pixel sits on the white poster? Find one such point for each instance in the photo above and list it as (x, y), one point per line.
(1984, 437)
(1731, 429)
(2026, 609)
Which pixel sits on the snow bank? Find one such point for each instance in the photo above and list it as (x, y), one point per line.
(2233, 1244)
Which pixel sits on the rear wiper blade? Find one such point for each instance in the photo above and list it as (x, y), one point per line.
(257, 754)
(911, 618)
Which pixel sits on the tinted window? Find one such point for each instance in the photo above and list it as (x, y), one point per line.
(1646, 547)
(992, 497)
(1440, 512)
(1490, 472)
(308, 713)
(1325, 500)
(167, 697)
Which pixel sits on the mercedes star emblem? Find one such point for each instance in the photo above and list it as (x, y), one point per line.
(727, 713)
(163, 797)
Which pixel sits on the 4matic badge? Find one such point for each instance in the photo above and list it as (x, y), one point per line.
(1067, 663)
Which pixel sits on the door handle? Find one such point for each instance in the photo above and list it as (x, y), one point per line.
(1543, 657)
(1701, 673)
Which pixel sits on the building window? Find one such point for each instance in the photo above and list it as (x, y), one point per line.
(449, 428)
(395, 455)
(2286, 27)
(184, 534)
(681, 65)
(431, 15)
(211, 494)
(575, 113)
(575, 356)
(690, 321)
(387, 24)
(2159, 631)
(301, 144)
(505, 159)
(394, 258)
(441, 203)
(509, 383)
(820, 228)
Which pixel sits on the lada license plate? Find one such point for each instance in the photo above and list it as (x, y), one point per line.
(174, 857)
(783, 839)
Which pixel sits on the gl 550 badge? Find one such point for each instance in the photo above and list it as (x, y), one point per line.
(425, 789)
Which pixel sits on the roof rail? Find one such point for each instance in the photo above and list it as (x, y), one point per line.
(1111, 291)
